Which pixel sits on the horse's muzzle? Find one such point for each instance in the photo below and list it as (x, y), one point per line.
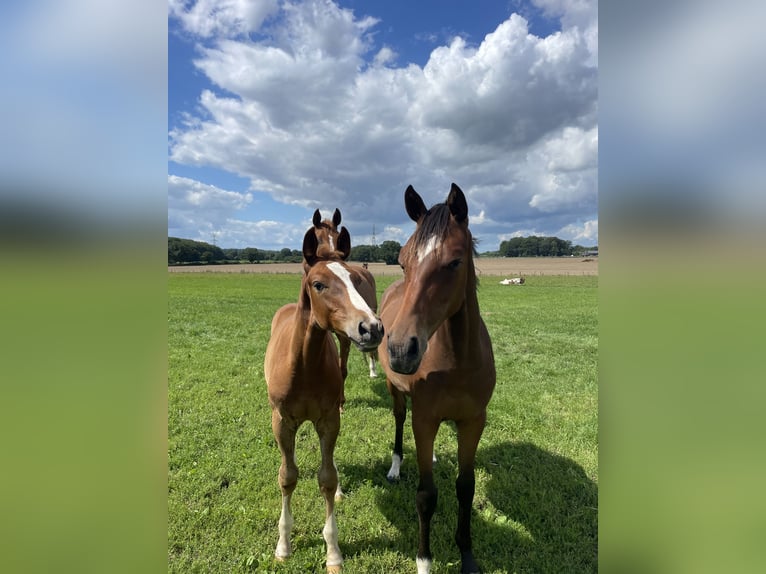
(405, 357)
(370, 334)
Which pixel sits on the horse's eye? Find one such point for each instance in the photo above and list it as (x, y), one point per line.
(319, 286)
(452, 265)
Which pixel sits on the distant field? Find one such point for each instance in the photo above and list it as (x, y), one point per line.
(536, 468)
(501, 266)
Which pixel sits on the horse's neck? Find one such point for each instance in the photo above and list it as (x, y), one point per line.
(464, 326)
(308, 339)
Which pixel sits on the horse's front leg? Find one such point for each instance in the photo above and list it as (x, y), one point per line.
(427, 495)
(400, 414)
(284, 433)
(327, 428)
(469, 433)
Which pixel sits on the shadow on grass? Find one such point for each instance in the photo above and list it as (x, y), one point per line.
(537, 513)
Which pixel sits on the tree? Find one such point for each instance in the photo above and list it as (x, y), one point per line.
(252, 254)
(364, 253)
(190, 251)
(534, 246)
(389, 252)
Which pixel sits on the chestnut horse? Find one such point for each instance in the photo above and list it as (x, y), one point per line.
(304, 379)
(327, 234)
(439, 353)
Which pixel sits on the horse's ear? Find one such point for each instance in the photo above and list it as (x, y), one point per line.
(457, 204)
(317, 218)
(344, 243)
(414, 205)
(310, 244)
(336, 218)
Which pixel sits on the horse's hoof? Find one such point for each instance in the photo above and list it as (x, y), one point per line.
(392, 479)
(334, 569)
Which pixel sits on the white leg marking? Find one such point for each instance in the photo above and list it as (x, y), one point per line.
(424, 565)
(330, 533)
(396, 463)
(373, 372)
(285, 527)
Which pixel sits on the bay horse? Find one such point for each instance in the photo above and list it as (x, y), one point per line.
(304, 379)
(438, 352)
(327, 234)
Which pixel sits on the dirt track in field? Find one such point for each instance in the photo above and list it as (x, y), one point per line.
(490, 266)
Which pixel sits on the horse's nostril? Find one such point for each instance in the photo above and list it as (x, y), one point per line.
(412, 347)
(362, 329)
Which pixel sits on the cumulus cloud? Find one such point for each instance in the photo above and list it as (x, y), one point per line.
(586, 232)
(208, 18)
(315, 114)
(193, 205)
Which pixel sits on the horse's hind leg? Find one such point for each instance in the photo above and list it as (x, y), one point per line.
(400, 414)
(288, 478)
(327, 428)
(469, 433)
(372, 356)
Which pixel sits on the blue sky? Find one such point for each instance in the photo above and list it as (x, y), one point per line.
(276, 109)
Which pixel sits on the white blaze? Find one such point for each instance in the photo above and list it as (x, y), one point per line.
(356, 299)
(428, 248)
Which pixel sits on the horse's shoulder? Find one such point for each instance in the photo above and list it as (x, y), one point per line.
(392, 295)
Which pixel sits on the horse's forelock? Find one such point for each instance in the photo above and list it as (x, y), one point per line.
(329, 225)
(433, 224)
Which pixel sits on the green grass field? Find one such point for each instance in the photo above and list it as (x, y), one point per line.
(535, 508)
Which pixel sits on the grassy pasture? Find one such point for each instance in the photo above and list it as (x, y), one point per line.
(535, 508)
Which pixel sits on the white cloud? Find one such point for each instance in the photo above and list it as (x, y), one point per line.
(239, 233)
(225, 18)
(581, 232)
(385, 56)
(575, 150)
(200, 208)
(316, 115)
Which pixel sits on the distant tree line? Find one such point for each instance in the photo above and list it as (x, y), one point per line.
(534, 246)
(188, 251)
(388, 252)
